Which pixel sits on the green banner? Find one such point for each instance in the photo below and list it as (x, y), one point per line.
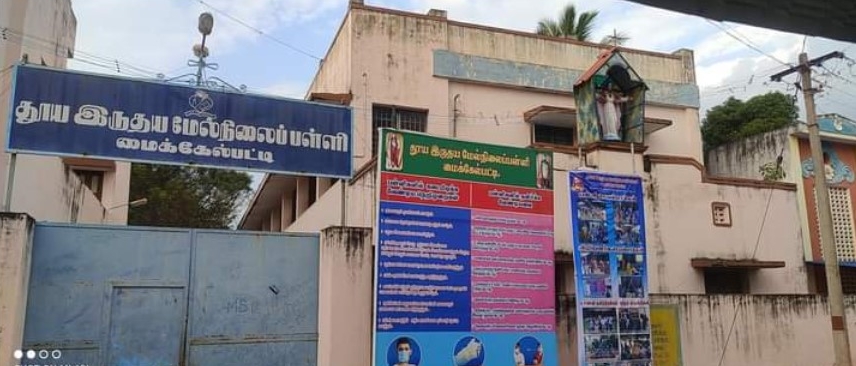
(419, 154)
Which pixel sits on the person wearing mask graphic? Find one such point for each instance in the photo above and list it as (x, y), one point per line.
(404, 352)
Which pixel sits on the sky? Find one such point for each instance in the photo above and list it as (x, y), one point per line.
(274, 46)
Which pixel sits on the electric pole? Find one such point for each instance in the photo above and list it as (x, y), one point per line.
(841, 342)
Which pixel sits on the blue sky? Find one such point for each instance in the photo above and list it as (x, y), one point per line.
(157, 36)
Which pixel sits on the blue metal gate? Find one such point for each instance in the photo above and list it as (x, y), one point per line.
(123, 296)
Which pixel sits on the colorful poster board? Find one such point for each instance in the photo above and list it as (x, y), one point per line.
(608, 225)
(464, 270)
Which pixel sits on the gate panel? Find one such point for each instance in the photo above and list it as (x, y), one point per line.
(254, 299)
(71, 282)
(122, 296)
(146, 326)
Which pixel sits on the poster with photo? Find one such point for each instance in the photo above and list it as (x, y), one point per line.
(608, 226)
(464, 260)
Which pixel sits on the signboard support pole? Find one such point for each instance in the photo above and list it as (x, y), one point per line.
(10, 180)
(344, 201)
(633, 157)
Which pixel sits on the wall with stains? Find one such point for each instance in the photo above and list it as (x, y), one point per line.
(679, 227)
(16, 240)
(345, 297)
(776, 330)
(742, 159)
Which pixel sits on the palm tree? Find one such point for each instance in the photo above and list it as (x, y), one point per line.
(617, 38)
(569, 25)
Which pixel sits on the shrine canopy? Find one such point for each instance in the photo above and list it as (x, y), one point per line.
(611, 74)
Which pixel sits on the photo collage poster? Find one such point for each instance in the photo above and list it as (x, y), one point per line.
(608, 226)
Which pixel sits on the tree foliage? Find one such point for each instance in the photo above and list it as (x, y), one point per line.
(569, 25)
(735, 119)
(180, 196)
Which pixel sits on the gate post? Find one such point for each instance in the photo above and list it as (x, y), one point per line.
(16, 247)
(345, 297)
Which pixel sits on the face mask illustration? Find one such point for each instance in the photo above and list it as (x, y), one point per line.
(403, 356)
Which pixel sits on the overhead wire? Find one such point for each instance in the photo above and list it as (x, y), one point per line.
(54, 46)
(259, 31)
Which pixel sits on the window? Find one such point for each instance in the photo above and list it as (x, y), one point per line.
(842, 222)
(723, 281)
(547, 134)
(398, 118)
(93, 179)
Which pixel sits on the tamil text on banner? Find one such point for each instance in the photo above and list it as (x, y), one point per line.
(607, 218)
(58, 112)
(464, 260)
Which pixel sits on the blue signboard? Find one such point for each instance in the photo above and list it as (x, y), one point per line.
(608, 224)
(58, 112)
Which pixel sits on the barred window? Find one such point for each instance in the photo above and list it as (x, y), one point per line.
(398, 118)
(554, 135)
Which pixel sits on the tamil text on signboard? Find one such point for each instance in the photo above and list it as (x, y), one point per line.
(67, 113)
(464, 260)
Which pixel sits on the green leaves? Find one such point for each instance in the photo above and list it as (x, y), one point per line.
(186, 196)
(569, 25)
(734, 119)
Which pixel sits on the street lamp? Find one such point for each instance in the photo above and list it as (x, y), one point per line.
(205, 26)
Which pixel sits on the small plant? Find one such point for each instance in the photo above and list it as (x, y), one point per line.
(772, 171)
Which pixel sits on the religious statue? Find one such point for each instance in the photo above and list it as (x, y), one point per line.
(609, 104)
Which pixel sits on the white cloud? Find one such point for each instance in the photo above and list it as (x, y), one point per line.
(157, 35)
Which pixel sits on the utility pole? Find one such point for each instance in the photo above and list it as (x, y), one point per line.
(841, 342)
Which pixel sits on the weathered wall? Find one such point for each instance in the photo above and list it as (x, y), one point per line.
(679, 227)
(345, 297)
(743, 158)
(514, 46)
(16, 241)
(391, 62)
(779, 330)
(335, 74)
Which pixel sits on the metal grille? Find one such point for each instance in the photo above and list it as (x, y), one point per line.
(554, 135)
(394, 117)
(842, 222)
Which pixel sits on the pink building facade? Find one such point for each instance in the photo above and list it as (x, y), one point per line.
(427, 73)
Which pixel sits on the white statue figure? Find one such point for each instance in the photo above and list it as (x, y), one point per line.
(609, 108)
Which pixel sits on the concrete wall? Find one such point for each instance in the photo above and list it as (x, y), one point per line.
(345, 297)
(43, 187)
(334, 75)
(16, 242)
(743, 158)
(679, 227)
(769, 330)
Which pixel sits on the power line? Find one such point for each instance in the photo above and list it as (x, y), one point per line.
(52, 47)
(259, 31)
(747, 42)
